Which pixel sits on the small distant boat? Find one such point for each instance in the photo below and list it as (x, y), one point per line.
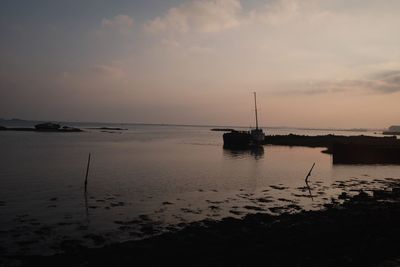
(254, 137)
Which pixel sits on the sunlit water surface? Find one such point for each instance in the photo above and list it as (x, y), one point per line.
(151, 179)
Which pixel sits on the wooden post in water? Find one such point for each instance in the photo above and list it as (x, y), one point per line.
(308, 186)
(309, 173)
(87, 173)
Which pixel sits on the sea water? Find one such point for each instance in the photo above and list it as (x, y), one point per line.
(149, 179)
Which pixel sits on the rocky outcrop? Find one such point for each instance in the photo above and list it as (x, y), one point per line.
(43, 127)
(47, 126)
(394, 128)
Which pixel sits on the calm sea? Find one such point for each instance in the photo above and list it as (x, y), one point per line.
(150, 179)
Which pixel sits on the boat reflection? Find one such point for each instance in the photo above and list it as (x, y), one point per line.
(254, 151)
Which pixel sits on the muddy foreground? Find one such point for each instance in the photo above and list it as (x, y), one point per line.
(364, 230)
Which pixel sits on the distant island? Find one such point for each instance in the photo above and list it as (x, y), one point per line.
(222, 129)
(43, 127)
(392, 130)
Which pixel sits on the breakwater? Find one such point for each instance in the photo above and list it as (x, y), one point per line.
(346, 149)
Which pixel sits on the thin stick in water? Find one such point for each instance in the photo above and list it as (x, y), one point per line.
(309, 173)
(87, 173)
(309, 191)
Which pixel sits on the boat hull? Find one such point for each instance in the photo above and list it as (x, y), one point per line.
(237, 139)
(243, 139)
(257, 136)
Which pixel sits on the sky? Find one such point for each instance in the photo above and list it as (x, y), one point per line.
(326, 63)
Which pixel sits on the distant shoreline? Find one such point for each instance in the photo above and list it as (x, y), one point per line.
(2, 121)
(23, 129)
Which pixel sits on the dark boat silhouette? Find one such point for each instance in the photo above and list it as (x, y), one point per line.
(243, 139)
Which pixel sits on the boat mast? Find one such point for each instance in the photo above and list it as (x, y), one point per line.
(255, 108)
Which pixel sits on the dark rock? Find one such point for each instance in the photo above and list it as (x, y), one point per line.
(117, 204)
(71, 246)
(144, 217)
(47, 126)
(277, 187)
(215, 208)
(97, 239)
(362, 196)
(381, 194)
(396, 191)
(253, 208)
(236, 212)
(343, 195)
(366, 153)
(264, 199)
(276, 209)
(132, 222)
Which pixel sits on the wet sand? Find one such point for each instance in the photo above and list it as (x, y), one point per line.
(356, 229)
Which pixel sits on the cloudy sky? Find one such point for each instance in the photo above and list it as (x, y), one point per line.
(327, 63)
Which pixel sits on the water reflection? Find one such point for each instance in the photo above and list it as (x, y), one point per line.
(309, 190)
(86, 207)
(255, 151)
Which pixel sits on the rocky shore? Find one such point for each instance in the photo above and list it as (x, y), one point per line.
(359, 149)
(358, 230)
(328, 140)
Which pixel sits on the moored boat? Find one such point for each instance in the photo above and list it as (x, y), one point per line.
(254, 137)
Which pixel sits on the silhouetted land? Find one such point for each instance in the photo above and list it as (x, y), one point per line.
(328, 140)
(391, 133)
(222, 129)
(347, 149)
(26, 129)
(362, 231)
(366, 153)
(43, 127)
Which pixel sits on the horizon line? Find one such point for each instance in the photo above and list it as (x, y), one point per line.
(202, 125)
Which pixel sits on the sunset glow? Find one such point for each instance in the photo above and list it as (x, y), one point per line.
(313, 63)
